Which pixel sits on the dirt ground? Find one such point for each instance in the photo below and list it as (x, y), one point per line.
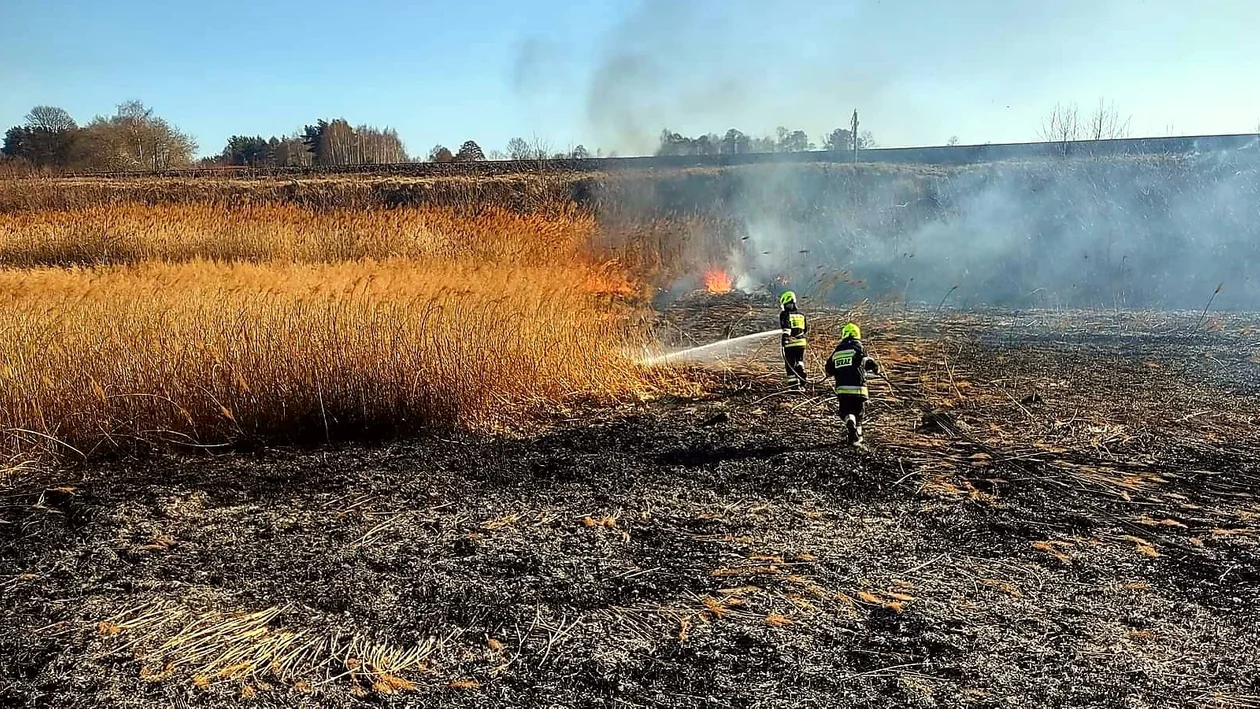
(1054, 509)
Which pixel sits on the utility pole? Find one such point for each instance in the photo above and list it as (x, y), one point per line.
(853, 133)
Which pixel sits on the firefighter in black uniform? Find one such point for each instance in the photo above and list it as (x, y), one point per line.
(794, 327)
(849, 365)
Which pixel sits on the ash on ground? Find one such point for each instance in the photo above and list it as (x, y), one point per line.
(1082, 533)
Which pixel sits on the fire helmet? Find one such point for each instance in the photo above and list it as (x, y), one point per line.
(787, 297)
(851, 330)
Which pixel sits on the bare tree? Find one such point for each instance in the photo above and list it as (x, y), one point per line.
(535, 148)
(50, 118)
(1105, 123)
(171, 147)
(134, 138)
(953, 140)
(336, 143)
(540, 149)
(379, 146)
(132, 119)
(1061, 127)
(291, 152)
(1065, 125)
(518, 149)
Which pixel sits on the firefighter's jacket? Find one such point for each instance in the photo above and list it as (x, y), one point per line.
(794, 328)
(849, 365)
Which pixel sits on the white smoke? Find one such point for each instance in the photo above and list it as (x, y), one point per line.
(1151, 232)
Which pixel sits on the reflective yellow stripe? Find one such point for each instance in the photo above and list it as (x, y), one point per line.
(795, 343)
(861, 391)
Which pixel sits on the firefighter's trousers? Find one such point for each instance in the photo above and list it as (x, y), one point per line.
(794, 363)
(853, 404)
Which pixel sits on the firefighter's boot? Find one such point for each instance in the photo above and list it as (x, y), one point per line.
(855, 431)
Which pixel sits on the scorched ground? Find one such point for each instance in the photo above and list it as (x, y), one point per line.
(1056, 510)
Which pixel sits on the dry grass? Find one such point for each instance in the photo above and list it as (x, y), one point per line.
(666, 247)
(776, 620)
(200, 325)
(204, 353)
(517, 192)
(892, 600)
(133, 233)
(214, 647)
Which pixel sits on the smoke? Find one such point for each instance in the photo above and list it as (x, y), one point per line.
(1150, 232)
(710, 65)
(1120, 232)
(918, 73)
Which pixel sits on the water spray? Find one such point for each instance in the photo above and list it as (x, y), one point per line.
(710, 349)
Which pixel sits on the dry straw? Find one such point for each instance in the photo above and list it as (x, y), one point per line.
(217, 646)
(199, 326)
(132, 233)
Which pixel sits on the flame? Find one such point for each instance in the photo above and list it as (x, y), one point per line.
(717, 280)
(610, 279)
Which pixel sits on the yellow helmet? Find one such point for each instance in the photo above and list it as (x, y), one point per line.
(851, 330)
(787, 297)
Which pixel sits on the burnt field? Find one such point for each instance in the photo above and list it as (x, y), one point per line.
(1054, 509)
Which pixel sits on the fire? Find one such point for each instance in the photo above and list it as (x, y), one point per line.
(610, 279)
(717, 280)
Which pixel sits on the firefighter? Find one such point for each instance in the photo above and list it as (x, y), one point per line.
(794, 327)
(849, 365)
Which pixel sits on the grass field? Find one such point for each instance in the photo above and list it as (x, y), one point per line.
(198, 324)
(344, 442)
(283, 233)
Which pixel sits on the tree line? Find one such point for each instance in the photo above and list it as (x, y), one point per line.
(336, 142)
(736, 142)
(133, 138)
(325, 143)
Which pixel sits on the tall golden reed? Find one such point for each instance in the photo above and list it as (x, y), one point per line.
(132, 233)
(207, 325)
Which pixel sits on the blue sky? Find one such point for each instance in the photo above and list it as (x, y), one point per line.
(612, 73)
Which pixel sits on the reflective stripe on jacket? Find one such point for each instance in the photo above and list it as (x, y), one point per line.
(853, 391)
(794, 327)
(848, 364)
